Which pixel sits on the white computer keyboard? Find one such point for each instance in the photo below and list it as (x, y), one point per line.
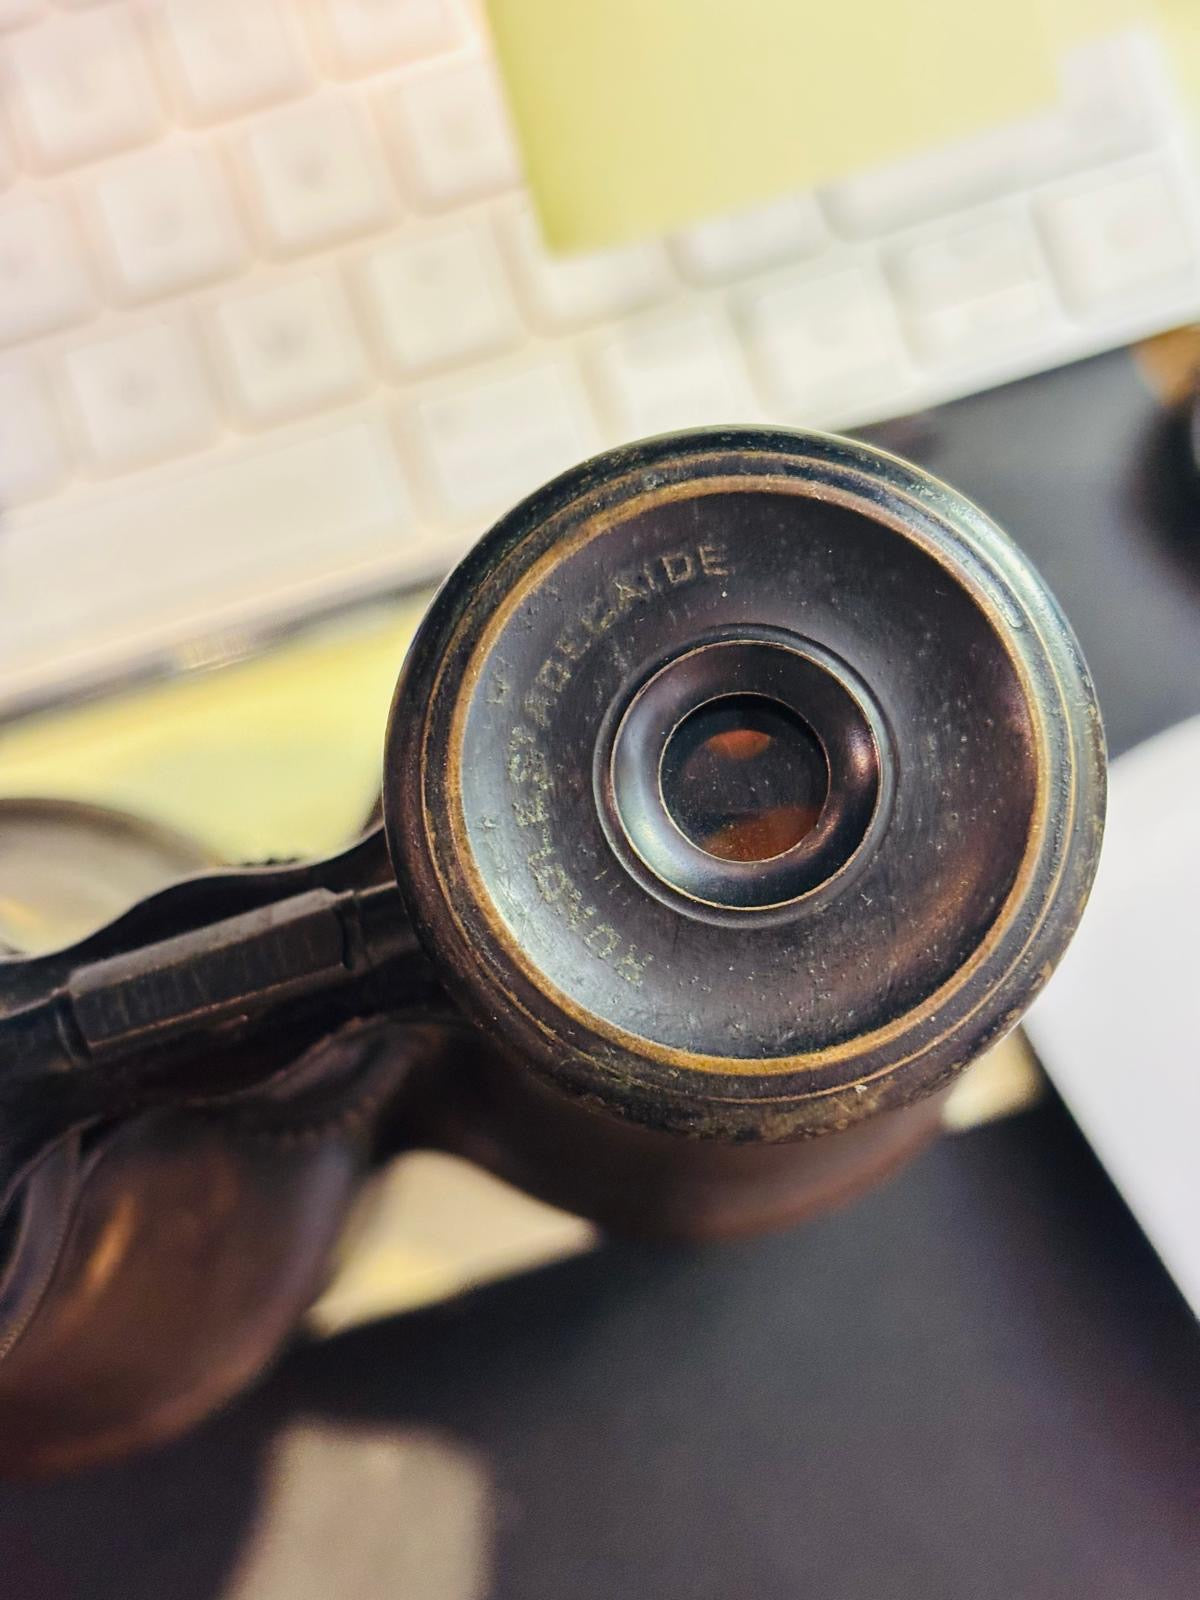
(277, 330)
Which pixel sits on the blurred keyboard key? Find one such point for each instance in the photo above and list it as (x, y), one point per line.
(229, 56)
(824, 345)
(677, 369)
(164, 223)
(729, 247)
(267, 521)
(140, 396)
(360, 36)
(563, 292)
(15, 12)
(498, 440)
(316, 176)
(80, 87)
(42, 283)
(947, 179)
(1111, 92)
(449, 133)
(437, 299)
(960, 294)
(290, 349)
(31, 457)
(1115, 92)
(1127, 235)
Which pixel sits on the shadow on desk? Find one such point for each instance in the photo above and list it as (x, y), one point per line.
(976, 1382)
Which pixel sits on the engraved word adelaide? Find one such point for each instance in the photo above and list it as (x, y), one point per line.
(529, 771)
(626, 591)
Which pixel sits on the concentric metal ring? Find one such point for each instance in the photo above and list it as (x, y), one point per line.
(882, 978)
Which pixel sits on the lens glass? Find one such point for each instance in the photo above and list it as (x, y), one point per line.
(744, 778)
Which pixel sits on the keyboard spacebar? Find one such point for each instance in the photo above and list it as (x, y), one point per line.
(211, 546)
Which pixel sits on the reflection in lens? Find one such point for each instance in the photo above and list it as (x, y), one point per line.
(744, 778)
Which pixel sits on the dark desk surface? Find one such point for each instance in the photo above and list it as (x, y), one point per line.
(1080, 467)
(976, 1383)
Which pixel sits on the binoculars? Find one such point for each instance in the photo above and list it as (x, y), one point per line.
(740, 787)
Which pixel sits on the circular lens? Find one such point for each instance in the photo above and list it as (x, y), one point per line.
(744, 777)
(741, 775)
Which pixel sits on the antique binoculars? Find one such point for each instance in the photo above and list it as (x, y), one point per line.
(740, 787)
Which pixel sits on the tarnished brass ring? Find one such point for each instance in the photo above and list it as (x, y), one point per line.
(852, 972)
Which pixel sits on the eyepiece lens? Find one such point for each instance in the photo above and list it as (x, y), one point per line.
(744, 778)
